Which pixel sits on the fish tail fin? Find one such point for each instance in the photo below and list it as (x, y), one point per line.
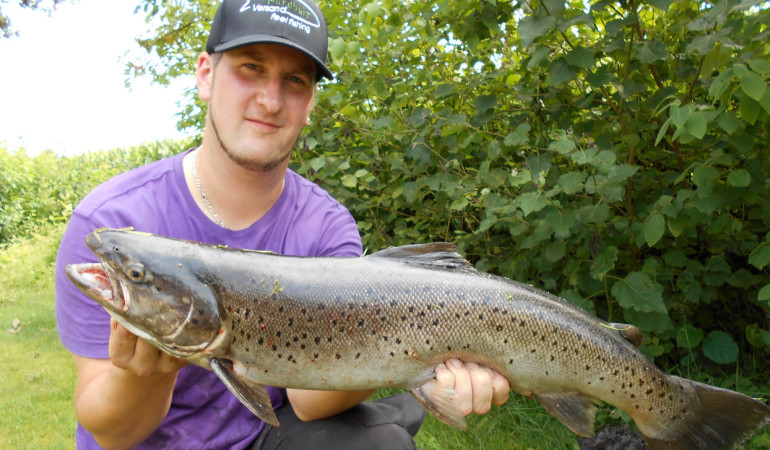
(722, 419)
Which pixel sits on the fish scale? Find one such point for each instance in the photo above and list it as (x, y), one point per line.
(386, 320)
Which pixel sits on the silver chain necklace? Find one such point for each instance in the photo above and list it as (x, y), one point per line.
(203, 194)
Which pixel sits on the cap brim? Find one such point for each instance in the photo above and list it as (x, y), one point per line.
(266, 39)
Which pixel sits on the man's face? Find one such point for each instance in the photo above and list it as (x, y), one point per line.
(260, 97)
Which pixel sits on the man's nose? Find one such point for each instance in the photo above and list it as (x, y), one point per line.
(269, 94)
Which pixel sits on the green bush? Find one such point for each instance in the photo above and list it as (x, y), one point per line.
(39, 191)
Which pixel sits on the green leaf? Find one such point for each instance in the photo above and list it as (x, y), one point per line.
(561, 72)
(696, 124)
(561, 223)
(518, 137)
(444, 90)
(720, 348)
(760, 256)
(654, 227)
(604, 262)
(532, 27)
(704, 175)
(337, 49)
(580, 57)
(650, 51)
(764, 294)
(753, 85)
(555, 251)
(739, 178)
(688, 336)
(749, 109)
(484, 103)
(639, 292)
(349, 181)
(729, 122)
(531, 202)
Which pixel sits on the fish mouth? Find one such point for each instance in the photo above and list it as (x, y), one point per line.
(101, 284)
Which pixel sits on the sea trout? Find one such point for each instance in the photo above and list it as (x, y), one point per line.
(386, 320)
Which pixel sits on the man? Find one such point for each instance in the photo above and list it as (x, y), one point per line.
(258, 75)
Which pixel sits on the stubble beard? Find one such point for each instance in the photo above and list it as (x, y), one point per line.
(241, 161)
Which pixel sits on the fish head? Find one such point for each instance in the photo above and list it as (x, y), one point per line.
(149, 285)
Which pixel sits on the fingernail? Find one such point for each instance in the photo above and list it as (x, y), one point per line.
(456, 363)
(471, 366)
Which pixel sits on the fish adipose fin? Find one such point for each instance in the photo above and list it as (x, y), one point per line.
(439, 401)
(575, 411)
(723, 420)
(254, 396)
(438, 255)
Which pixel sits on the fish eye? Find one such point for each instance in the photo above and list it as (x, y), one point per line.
(135, 272)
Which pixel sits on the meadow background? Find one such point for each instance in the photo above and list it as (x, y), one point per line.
(613, 153)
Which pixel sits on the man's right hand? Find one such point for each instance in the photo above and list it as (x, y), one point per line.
(129, 352)
(122, 400)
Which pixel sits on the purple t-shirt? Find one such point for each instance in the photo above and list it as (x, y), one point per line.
(305, 221)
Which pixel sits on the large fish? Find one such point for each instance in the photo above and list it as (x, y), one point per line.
(386, 320)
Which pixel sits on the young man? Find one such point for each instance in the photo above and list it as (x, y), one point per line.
(258, 75)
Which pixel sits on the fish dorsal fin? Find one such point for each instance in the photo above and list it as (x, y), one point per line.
(254, 396)
(439, 255)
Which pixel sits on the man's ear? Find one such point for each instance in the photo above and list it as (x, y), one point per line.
(204, 76)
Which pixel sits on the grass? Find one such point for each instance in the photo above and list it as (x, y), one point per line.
(39, 377)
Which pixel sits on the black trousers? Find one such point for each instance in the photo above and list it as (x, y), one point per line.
(388, 423)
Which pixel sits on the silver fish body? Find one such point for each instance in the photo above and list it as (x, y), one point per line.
(386, 320)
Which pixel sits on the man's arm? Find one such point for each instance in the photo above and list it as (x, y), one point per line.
(122, 400)
(476, 389)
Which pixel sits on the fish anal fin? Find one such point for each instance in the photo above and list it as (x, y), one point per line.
(253, 395)
(440, 402)
(574, 410)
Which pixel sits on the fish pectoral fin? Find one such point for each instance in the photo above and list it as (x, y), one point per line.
(253, 395)
(440, 402)
(575, 411)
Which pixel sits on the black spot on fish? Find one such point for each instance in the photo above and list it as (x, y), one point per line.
(194, 321)
(398, 341)
(481, 316)
(403, 318)
(457, 315)
(435, 323)
(601, 378)
(385, 338)
(358, 355)
(274, 348)
(429, 307)
(279, 356)
(499, 328)
(353, 305)
(392, 354)
(321, 306)
(532, 351)
(337, 356)
(288, 344)
(510, 361)
(406, 352)
(342, 329)
(291, 321)
(302, 346)
(588, 367)
(329, 339)
(309, 319)
(304, 311)
(248, 336)
(317, 340)
(315, 355)
(552, 357)
(505, 341)
(393, 303)
(522, 323)
(411, 309)
(280, 309)
(449, 348)
(260, 341)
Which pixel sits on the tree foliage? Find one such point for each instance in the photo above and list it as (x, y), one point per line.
(614, 153)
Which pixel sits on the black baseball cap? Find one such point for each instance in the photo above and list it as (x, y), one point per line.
(299, 24)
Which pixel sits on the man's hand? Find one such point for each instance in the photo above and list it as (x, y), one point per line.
(129, 352)
(477, 388)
